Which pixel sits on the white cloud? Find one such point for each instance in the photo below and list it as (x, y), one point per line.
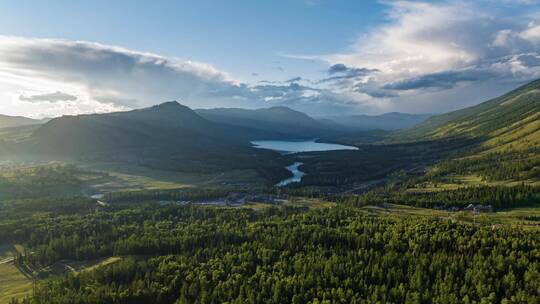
(49, 97)
(424, 48)
(102, 78)
(114, 77)
(532, 33)
(426, 57)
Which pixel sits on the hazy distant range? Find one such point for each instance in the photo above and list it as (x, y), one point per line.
(247, 118)
(285, 116)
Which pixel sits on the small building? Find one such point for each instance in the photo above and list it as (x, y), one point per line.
(483, 208)
(470, 207)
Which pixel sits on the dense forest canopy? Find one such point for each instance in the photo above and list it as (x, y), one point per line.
(191, 254)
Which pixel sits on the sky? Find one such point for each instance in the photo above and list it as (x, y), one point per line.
(317, 56)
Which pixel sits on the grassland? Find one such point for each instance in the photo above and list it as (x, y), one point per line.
(13, 284)
(312, 203)
(462, 181)
(64, 266)
(523, 217)
(17, 133)
(128, 177)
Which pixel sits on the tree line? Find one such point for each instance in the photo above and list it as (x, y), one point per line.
(196, 254)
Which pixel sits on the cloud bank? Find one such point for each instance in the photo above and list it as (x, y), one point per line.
(50, 97)
(92, 77)
(426, 51)
(109, 75)
(424, 57)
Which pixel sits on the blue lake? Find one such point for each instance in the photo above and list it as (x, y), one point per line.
(285, 146)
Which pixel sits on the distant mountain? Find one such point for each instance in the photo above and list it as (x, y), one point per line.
(511, 121)
(168, 136)
(17, 121)
(165, 126)
(388, 121)
(276, 119)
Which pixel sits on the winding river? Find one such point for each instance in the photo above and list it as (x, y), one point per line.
(297, 146)
(297, 175)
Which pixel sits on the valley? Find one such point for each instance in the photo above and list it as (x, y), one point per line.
(235, 195)
(270, 152)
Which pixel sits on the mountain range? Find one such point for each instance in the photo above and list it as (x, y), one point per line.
(282, 120)
(173, 136)
(18, 121)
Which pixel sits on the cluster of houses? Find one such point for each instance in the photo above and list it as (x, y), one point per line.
(235, 199)
(479, 208)
(476, 209)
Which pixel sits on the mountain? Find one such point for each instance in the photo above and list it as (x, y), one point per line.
(169, 125)
(17, 121)
(500, 141)
(168, 136)
(288, 122)
(511, 121)
(388, 121)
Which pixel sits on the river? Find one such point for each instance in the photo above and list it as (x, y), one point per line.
(297, 146)
(297, 175)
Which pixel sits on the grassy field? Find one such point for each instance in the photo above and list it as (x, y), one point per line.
(13, 284)
(123, 177)
(462, 181)
(295, 202)
(523, 217)
(309, 202)
(62, 267)
(17, 133)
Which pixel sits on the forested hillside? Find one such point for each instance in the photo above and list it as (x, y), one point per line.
(506, 136)
(387, 121)
(279, 255)
(509, 122)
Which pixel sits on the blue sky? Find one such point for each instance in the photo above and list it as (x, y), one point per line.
(69, 57)
(241, 37)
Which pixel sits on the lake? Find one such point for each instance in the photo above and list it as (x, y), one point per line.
(297, 146)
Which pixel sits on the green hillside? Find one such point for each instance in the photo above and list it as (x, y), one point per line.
(506, 142)
(387, 121)
(509, 122)
(17, 121)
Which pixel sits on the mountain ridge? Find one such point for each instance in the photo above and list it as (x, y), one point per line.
(277, 119)
(390, 121)
(7, 121)
(504, 122)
